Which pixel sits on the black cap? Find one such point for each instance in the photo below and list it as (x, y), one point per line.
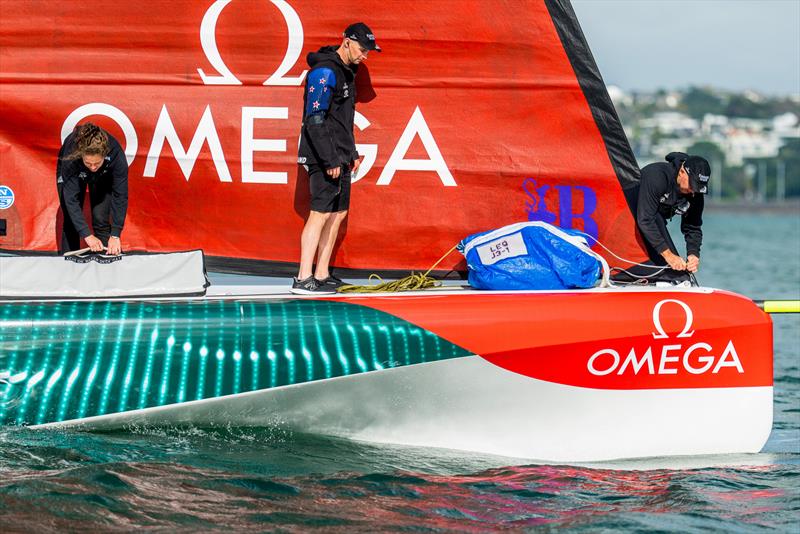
(699, 172)
(360, 32)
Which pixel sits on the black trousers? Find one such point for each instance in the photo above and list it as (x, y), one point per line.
(100, 201)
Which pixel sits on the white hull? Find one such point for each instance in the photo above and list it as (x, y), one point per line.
(471, 404)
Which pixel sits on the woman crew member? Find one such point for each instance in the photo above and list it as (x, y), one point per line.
(91, 158)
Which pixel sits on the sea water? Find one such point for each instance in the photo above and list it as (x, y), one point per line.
(219, 479)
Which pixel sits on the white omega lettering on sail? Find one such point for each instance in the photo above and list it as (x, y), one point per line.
(398, 162)
(107, 110)
(186, 158)
(250, 144)
(206, 131)
(208, 40)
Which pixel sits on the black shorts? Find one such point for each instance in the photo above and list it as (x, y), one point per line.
(328, 195)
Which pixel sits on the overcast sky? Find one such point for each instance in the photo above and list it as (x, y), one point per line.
(730, 44)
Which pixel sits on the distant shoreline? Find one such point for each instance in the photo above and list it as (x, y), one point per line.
(786, 207)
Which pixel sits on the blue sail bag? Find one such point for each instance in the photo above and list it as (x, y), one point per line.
(532, 255)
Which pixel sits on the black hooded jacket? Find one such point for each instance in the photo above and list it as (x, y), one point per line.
(73, 176)
(326, 136)
(660, 196)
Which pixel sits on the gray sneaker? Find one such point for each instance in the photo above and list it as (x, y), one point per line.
(310, 286)
(332, 282)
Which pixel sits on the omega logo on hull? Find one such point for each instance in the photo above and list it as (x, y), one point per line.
(670, 359)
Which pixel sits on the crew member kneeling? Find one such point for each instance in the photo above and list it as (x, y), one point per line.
(676, 186)
(91, 158)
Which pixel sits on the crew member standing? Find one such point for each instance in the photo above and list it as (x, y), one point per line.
(92, 159)
(328, 152)
(676, 186)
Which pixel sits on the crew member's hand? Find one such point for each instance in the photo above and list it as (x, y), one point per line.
(675, 262)
(356, 165)
(693, 263)
(114, 246)
(334, 172)
(94, 244)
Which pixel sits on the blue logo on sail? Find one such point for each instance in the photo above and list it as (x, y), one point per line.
(6, 197)
(565, 218)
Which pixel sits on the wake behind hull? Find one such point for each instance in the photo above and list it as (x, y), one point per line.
(573, 376)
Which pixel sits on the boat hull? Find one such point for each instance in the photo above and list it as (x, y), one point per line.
(574, 376)
(471, 404)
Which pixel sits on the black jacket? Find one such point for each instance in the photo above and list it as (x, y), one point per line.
(660, 196)
(326, 136)
(73, 176)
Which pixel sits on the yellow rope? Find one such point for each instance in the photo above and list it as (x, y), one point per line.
(413, 282)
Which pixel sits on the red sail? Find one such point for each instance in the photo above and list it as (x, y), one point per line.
(476, 115)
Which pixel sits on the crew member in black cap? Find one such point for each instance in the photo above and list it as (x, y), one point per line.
(328, 152)
(676, 186)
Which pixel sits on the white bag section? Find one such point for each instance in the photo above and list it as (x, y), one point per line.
(134, 275)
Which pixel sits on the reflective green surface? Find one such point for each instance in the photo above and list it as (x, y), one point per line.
(69, 360)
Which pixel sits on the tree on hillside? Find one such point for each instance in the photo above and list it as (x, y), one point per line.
(742, 106)
(698, 101)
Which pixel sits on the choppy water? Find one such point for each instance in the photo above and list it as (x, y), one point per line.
(269, 479)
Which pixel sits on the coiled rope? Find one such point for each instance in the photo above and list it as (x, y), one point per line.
(413, 282)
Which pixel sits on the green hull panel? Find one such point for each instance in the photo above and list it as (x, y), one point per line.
(62, 361)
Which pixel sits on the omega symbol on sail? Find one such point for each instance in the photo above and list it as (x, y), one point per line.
(208, 40)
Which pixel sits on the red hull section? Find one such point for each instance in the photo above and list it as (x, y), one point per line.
(620, 340)
(472, 118)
